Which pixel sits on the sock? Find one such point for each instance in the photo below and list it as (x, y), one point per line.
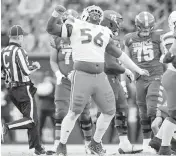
(57, 133)
(124, 139)
(168, 132)
(160, 132)
(146, 142)
(86, 127)
(103, 122)
(67, 126)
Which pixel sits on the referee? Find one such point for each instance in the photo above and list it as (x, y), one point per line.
(15, 70)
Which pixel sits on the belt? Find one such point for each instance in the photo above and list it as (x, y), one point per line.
(18, 84)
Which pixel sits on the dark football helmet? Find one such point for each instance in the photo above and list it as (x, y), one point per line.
(113, 21)
(145, 22)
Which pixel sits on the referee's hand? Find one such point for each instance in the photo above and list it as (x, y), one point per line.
(36, 65)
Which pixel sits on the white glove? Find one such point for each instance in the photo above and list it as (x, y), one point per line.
(70, 75)
(123, 83)
(144, 72)
(129, 74)
(36, 65)
(58, 77)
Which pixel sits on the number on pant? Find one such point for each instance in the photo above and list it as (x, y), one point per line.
(97, 39)
(144, 52)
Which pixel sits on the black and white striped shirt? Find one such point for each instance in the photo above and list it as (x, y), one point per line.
(14, 63)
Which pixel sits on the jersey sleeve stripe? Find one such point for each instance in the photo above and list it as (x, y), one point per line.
(64, 31)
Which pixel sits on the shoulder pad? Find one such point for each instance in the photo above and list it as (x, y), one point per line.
(128, 38)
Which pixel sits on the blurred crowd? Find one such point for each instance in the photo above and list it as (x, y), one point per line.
(33, 16)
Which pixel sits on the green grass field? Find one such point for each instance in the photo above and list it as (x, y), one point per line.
(73, 150)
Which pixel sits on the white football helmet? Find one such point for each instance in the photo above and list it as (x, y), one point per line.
(172, 21)
(94, 12)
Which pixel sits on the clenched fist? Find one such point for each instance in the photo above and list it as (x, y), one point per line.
(60, 9)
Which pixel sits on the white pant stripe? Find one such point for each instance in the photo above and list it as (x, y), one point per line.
(32, 104)
(20, 124)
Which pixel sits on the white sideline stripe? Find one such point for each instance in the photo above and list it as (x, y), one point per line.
(32, 104)
(20, 124)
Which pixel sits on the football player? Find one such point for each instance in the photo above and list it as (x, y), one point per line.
(89, 41)
(113, 69)
(145, 49)
(163, 138)
(62, 64)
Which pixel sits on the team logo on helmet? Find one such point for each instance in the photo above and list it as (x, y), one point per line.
(144, 22)
(113, 21)
(93, 12)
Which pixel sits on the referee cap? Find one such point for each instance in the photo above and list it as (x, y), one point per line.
(17, 30)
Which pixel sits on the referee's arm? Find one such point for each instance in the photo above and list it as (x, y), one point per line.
(22, 61)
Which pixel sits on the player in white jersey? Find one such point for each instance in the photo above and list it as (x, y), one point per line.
(89, 41)
(162, 140)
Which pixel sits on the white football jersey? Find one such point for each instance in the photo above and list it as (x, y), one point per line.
(168, 39)
(88, 41)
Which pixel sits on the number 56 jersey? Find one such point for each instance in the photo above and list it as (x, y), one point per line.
(146, 52)
(88, 41)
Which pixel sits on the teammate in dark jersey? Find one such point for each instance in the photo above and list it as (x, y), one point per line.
(113, 69)
(62, 64)
(144, 48)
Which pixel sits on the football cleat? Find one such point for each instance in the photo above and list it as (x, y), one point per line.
(97, 148)
(61, 150)
(166, 150)
(155, 143)
(127, 148)
(39, 151)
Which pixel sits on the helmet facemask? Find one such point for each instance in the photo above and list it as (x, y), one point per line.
(92, 14)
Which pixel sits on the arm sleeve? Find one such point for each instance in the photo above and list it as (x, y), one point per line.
(23, 62)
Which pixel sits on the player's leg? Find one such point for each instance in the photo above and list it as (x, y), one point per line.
(141, 92)
(169, 124)
(133, 121)
(86, 125)
(80, 94)
(105, 100)
(62, 102)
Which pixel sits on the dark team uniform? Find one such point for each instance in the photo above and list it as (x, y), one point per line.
(146, 53)
(113, 70)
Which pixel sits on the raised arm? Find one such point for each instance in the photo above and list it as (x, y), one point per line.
(54, 25)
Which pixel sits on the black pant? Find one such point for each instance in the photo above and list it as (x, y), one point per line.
(42, 118)
(23, 99)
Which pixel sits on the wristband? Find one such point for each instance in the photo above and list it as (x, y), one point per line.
(58, 73)
(55, 14)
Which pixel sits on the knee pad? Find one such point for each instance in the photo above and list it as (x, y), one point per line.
(121, 122)
(146, 125)
(111, 113)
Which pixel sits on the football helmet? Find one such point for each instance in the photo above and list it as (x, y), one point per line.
(144, 22)
(92, 14)
(172, 21)
(113, 21)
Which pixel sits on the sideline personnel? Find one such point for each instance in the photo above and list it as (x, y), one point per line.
(16, 71)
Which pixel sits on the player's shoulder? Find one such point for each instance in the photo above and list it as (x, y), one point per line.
(128, 38)
(167, 35)
(158, 33)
